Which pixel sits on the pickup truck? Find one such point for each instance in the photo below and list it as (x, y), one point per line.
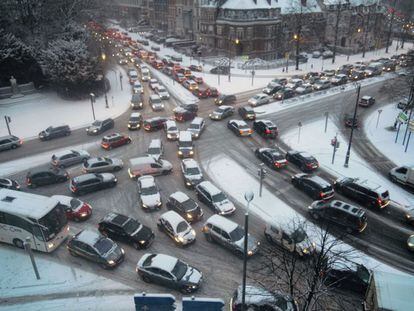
(403, 175)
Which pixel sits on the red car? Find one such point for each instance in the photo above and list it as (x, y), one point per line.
(182, 115)
(75, 209)
(202, 92)
(115, 140)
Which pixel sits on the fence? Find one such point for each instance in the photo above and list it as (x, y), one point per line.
(27, 88)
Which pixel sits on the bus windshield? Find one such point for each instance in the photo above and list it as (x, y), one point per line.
(52, 223)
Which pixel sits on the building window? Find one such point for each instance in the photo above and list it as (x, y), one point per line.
(219, 30)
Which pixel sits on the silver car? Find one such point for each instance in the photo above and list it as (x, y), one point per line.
(149, 193)
(102, 164)
(10, 142)
(162, 92)
(156, 103)
(191, 172)
(259, 99)
(69, 157)
(177, 228)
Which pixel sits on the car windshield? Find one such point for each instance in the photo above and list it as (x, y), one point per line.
(194, 126)
(134, 119)
(154, 150)
(51, 224)
(172, 129)
(156, 100)
(244, 127)
(149, 190)
(103, 245)
(182, 226)
(278, 156)
(192, 171)
(237, 234)
(97, 123)
(219, 197)
(189, 205)
(256, 97)
(179, 270)
(185, 143)
(75, 203)
(131, 226)
(298, 235)
(220, 110)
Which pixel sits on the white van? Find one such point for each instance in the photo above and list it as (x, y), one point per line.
(147, 165)
(155, 149)
(185, 144)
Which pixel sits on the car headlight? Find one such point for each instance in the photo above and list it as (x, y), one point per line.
(144, 205)
(84, 214)
(179, 239)
(122, 251)
(305, 251)
(129, 125)
(95, 130)
(189, 216)
(249, 253)
(191, 152)
(115, 179)
(408, 216)
(169, 135)
(193, 232)
(159, 203)
(410, 244)
(142, 242)
(196, 135)
(180, 152)
(50, 245)
(313, 244)
(111, 262)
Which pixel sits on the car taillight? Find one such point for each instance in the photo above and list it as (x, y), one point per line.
(277, 164)
(268, 131)
(21, 141)
(73, 188)
(105, 145)
(28, 181)
(241, 132)
(321, 195)
(309, 165)
(379, 201)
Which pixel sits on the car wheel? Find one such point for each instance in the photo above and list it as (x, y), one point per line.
(185, 290)
(104, 266)
(315, 216)
(145, 278)
(129, 141)
(73, 253)
(117, 168)
(18, 243)
(113, 184)
(349, 230)
(13, 146)
(208, 237)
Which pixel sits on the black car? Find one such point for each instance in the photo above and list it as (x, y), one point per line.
(367, 193)
(271, 157)
(54, 132)
(225, 100)
(348, 275)
(126, 229)
(92, 182)
(284, 94)
(223, 70)
(154, 124)
(349, 121)
(9, 184)
(46, 176)
(96, 247)
(265, 128)
(184, 206)
(303, 160)
(99, 127)
(247, 113)
(314, 186)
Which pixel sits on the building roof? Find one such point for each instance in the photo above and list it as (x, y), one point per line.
(351, 2)
(286, 6)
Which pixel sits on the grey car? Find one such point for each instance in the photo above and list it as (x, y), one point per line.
(102, 164)
(191, 172)
(69, 157)
(9, 142)
(222, 112)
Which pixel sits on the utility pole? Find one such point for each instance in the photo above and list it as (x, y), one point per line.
(338, 16)
(348, 152)
(390, 28)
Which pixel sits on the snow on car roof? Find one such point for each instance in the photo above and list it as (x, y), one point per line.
(190, 163)
(173, 218)
(154, 96)
(164, 262)
(63, 199)
(213, 190)
(305, 154)
(63, 153)
(197, 120)
(146, 181)
(222, 222)
(366, 97)
(179, 196)
(155, 143)
(239, 122)
(88, 236)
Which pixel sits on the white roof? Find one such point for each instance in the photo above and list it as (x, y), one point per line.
(213, 190)
(222, 222)
(62, 153)
(170, 123)
(190, 163)
(164, 262)
(366, 97)
(146, 181)
(173, 218)
(25, 204)
(63, 199)
(137, 83)
(239, 122)
(89, 236)
(286, 6)
(179, 196)
(135, 115)
(141, 160)
(155, 143)
(197, 120)
(185, 136)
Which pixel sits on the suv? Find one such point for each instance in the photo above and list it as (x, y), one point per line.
(136, 101)
(185, 206)
(154, 124)
(156, 102)
(54, 132)
(366, 101)
(181, 114)
(230, 235)
(91, 182)
(265, 128)
(135, 121)
(98, 127)
(340, 213)
(185, 144)
(46, 176)
(247, 113)
(149, 193)
(225, 100)
(303, 160)
(177, 228)
(363, 191)
(171, 130)
(214, 198)
(10, 142)
(191, 172)
(155, 149)
(126, 229)
(101, 165)
(221, 112)
(115, 140)
(69, 157)
(196, 127)
(314, 186)
(147, 165)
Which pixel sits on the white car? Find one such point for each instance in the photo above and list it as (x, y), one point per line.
(156, 103)
(162, 92)
(304, 89)
(259, 99)
(149, 194)
(177, 228)
(137, 87)
(153, 83)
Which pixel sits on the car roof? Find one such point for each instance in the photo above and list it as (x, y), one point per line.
(366, 97)
(173, 218)
(155, 119)
(135, 115)
(170, 123)
(84, 177)
(197, 120)
(112, 135)
(185, 136)
(212, 189)
(88, 236)
(63, 199)
(115, 218)
(222, 222)
(164, 262)
(44, 168)
(146, 181)
(63, 153)
(95, 160)
(142, 160)
(155, 143)
(318, 180)
(179, 196)
(154, 96)
(190, 163)
(305, 154)
(239, 122)
(223, 107)
(370, 185)
(345, 207)
(267, 122)
(8, 136)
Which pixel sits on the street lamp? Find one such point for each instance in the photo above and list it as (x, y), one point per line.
(92, 101)
(348, 152)
(248, 196)
(103, 56)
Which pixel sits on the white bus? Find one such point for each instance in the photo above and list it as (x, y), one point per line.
(40, 218)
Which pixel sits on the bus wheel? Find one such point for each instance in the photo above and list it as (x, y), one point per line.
(18, 243)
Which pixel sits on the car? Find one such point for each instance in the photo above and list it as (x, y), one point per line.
(222, 112)
(294, 239)
(196, 127)
(258, 100)
(192, 173)
(176, 58)
(136, 101)
(410, 242)
(321, 85)
(281, 81)
(247, 113)
(368, 193)
(294, 82)
(155, 48)
(171, 130)
(149, 194)
(327, 54)
(170, 272)
(314, 186)
(135, 121)
(184, 206)
(229, 235)
(122, 61)
(190, 85)
(357, 75)
(239, 127)
(303, 160)
(155, 149)
(272, 88)
(265, 128)
(133, 76)
(154, 124)
(69, 157)
(102, 165)
(202, 92)
(348, 275)
(185, 144)
(339, 213)
(284, 93)
(214, 92)
(198, 80)
(46, 176)
(75, 209)
(409, 215)
(349, 121)
(258, 298)
(54, 132)
(137, 88)
(316, 54)
(10, 142)
(305, 88)
(153, 84)
(193, 107)
(366, 101)
(93, 246)
(147, 165)
(162, 92)
(8, 183)
(339, 79)
(92, 182)
(222, 70)
(115, 140)
(181, 114)
(225, 100)
(177, 228)
(156, 103)
(271, 157)
(328, 73)
(195, 68)
(405, 104)
(179, 77)
(98, 127)
(214, 198)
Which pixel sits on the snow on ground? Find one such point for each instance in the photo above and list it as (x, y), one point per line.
(384, 135)
(236, 84)
(34, 113)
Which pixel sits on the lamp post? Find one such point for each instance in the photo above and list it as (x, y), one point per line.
(92, 102)
(104, 80)
(248, 196)
(348, 152)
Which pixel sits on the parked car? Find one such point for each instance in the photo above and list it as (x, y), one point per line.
(222, 112)
(156, 103)
(155, 148)
(339, 213)
(239, 127)
(75, 209)
(149, 194)
(115, 140)
(45, 176)
(327, 54)
(10, 142)
(170, 272)
(214, 198)
(135, 121)
(284, 93)
(154, 124)
(348, 275)
(316, 54)
(69, 157)
(271, 157)
(368, 193)
(272, 88)
(99, 127)
(97, 248)
(8, 183)
(184, 206)
(227, 100)
(136, 101)
(181, 114)
(177, 228)
(265, 128)
(126, 229)
(137, 88)
(54, 132)
(171, 130)
(314, 186)
(92, 182)
(191, 172)
(196, 127)
(229, 235)
(247, 113)
(366, 101)
(147, 165)
(102, 165)
(258, 100)
(303, 160)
